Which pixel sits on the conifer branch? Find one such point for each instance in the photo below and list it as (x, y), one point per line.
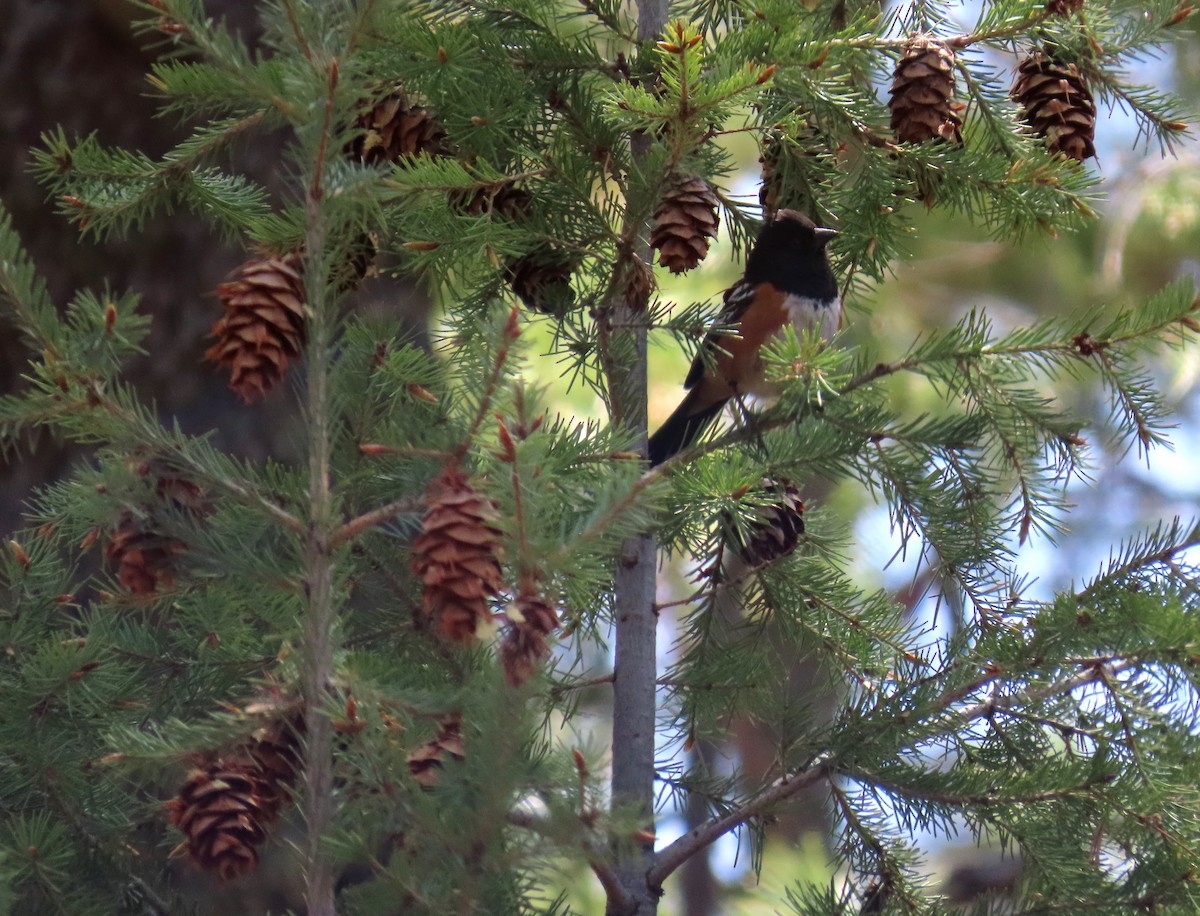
(597, 858)
(154, 902)
(297, 32)
(1137, 558)
(965, 800)
(678, 852)
(826, 765)
(318, 556)
(357, 525)
(508, 335)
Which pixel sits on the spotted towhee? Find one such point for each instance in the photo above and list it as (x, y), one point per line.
(788, 278)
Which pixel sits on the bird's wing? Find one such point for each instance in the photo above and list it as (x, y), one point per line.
(737, 299)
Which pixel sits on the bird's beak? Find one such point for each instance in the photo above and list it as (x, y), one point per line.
(824, 235)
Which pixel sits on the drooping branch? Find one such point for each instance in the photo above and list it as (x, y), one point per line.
(824, 765)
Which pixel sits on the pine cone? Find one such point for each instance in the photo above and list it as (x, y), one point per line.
(393, 128)
(277, 754)
(263, 325)
(427, 760)
(175, 491)
(637, 284)
(224, 818)
(922, 102)
(457, 557)
(144, 558)
(142, 553)
(1064, 8)
(506, 200)
(684, 223)
(531, 618)
(225, 809)
(542, 280)
(1057, 105)
(781, 526)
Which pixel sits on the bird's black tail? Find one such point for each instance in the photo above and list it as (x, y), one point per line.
(681, 429)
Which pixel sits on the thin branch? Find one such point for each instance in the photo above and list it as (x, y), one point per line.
(383, 514)
(559, 689)
(954, 799)
(594, 852)
(154, 903)
(301, 42)
(510, 333)
(678, 852)
(713, 829)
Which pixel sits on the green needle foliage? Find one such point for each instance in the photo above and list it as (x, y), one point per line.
(175, 622)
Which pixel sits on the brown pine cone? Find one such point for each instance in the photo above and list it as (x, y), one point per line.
(393, 128)
(263, 327)
(777, 534)
(1057, 104)
(225, 808)
(144, 557)
(426, 762)
(542, 280)
(531, 618)
(1064, 7)
(684, 223)
(637, 284)
(922, 103)
(506, 200)
(457, 557)
(223, 816)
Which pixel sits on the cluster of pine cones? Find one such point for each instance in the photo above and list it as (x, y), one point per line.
(230, 801)
(226, 805)
(1053, 95)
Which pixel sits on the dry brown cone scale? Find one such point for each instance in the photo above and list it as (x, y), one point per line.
(226, 808)
(684, 224)
(1057, 104)
(457, 557)
(922, 103)
(262, 329)
(394, 127)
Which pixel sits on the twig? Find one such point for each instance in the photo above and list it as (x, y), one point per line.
(597, 858)
(697, 838)
(154, 903)
(361, 523)
(824, 765)
(510, 333)
(950, 798)
(584, 684)
(301, 42)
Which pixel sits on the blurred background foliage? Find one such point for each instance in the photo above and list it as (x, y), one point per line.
(76, 63)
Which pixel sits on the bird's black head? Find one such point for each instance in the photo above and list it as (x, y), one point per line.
(790, 253)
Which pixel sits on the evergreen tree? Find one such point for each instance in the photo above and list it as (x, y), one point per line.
(373, 656)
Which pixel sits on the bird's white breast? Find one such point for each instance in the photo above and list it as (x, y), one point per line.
(808, 314)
